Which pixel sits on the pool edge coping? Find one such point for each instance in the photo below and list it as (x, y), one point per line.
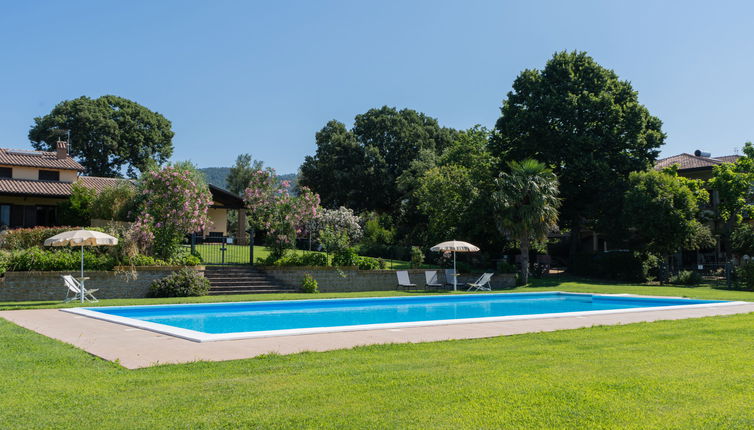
(201, 337)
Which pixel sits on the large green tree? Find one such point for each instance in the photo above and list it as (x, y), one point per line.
(454, 195)
(527, 202)
(359, 168)
(241, 174)
(582, 119)
(108, 134)
(663, 210)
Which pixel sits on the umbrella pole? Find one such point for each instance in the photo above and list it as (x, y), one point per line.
(455, 278)
(82, 273)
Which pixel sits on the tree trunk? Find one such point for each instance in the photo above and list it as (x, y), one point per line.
(525, 260)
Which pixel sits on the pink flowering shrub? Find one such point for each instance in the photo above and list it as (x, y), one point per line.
(273, 209)
(173, 206)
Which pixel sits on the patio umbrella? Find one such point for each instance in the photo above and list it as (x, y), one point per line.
(455, 246)
(81, 238)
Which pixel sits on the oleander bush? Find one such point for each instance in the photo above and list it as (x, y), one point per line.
(182, 283)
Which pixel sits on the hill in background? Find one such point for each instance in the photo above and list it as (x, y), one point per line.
(217, 175)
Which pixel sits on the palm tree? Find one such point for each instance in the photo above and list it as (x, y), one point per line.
(527, 202)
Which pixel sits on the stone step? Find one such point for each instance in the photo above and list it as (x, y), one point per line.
(241, 284)
(249, 291)
(246, 285)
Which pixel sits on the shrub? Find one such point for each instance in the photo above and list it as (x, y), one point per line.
(314, 259)
(506, 267)
(183, 283)
(23, 238)
(616, 265)
(381, 263)
(687, 277)
(744, 277)
(117, 202)
(309, 284)
(417, 257)
(345, 257)
(33, 259)
(368, 263)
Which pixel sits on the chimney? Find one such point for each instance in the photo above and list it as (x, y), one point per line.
(62, 149)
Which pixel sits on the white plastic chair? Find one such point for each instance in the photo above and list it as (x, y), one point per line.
(431, 281)
(76, 288)
(481, 284)
(403, 279)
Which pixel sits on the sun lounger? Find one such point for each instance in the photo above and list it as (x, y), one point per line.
(450, 275)
(431, 281)
(403, 279)
(481, 284)
(76, 288)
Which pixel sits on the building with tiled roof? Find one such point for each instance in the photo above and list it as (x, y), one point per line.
(698, 165)
(34, 183)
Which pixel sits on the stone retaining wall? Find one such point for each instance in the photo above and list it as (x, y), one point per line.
(348, 279)
(117, 284)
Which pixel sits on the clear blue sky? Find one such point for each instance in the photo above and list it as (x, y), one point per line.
(263, 77)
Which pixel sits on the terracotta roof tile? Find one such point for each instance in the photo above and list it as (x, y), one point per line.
(689, 161)
(15, 157)
(33, 187)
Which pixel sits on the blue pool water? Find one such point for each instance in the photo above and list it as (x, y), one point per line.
(297, 314)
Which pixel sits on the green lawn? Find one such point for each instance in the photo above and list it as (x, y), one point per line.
(239, 254)
(694, 373)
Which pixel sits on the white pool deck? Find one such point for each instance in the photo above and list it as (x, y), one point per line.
(137, 348)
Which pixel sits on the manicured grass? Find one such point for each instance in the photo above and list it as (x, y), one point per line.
(694, 373)
(239, 254)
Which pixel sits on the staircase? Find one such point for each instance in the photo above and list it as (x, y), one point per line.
(241, 280)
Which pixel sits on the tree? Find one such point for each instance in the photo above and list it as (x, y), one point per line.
(241, 173)
(662, 210)
(358, 168)
(174, 205)
(273, 209)
(454, 195)
(580, 118)
(107, 134)
(527, 205)
(341, 220)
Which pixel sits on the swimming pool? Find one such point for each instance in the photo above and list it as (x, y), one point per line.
(226, 321)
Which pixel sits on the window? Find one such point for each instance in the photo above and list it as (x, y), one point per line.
(6, 172)
(4, 216)
(49, 175)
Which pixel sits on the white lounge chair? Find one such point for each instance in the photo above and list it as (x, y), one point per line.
(403, 279)
(431, 281)
(481, 284)
(450, 275)
(76, 288)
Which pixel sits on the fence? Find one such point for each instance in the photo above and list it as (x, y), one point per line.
(220, 250)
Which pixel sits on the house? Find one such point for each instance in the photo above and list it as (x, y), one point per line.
(33, 183)
(698, 165)
(695, 166)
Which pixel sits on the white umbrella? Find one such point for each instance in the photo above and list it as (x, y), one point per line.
(81, 238)
(455, 246)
